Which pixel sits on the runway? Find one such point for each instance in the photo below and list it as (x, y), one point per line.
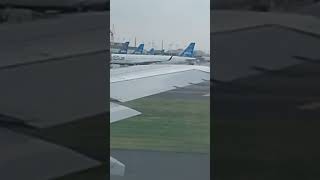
(143, 165)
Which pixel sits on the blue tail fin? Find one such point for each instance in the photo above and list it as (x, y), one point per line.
(139, 49)
(151, 52)
(188, 52)
(124, 48)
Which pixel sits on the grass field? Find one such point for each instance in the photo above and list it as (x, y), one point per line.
(165, 125)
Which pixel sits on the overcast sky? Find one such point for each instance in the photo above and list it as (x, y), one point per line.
(176, 22)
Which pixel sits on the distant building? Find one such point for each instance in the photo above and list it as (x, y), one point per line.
(159, 52)
(174, 52)
(199, 53)
(115, 47)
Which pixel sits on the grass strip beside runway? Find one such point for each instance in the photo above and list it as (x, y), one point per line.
(165, 125)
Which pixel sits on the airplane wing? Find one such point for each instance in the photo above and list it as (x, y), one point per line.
(140, 61)
(130, 83)
(116, 167)
(135, 82)
(118, 112)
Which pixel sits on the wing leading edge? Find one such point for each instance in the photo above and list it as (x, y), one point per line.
(126, 83)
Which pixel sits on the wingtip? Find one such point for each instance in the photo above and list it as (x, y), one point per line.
(116, 167)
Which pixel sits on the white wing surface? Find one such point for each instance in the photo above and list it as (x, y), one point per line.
(118, 112)
(135, 82)
(116, 167)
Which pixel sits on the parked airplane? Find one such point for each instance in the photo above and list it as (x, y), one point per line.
(139, 59)
(124, 48)
(139, 49)
(151, 52)
(188, 52)
(156, 76)
(185, 57)
(64, 5)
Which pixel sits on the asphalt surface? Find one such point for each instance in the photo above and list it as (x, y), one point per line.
(143, 165)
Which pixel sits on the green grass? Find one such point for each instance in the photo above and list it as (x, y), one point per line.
(165, 125)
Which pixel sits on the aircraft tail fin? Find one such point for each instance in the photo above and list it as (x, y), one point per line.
(124, 48)
(139, 49)
(151, 52)
(188, 52)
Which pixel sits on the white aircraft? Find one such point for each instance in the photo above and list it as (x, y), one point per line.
(152, 79)
(186, 57)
